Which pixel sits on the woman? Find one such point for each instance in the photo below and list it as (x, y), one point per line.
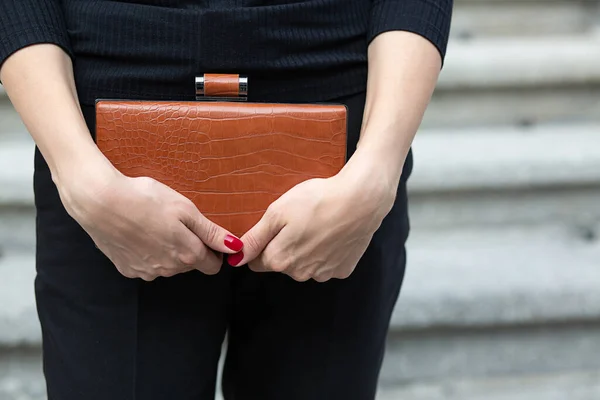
(313, 329)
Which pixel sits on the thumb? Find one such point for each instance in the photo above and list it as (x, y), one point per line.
(213, 235)
(256, 239)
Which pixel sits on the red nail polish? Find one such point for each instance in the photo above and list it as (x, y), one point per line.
(233, 243)
(235, 259)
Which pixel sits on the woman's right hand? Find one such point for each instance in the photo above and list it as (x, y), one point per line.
(145, 228)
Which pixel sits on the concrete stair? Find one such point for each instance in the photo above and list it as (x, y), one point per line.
(523, 18)
(518, 81)
(17, 213)
(507, 175)
(10, 123)
(582, 385)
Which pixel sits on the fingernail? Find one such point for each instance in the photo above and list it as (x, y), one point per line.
(235, 259)
(233, 243)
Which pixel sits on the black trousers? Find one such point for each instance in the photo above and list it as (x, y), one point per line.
(107, 337)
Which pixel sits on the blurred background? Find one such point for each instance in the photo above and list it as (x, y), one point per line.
(502, 294)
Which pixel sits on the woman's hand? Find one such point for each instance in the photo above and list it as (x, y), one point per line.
(145, 228)
(321, 227)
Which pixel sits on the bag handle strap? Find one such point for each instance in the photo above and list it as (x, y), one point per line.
(228, 87)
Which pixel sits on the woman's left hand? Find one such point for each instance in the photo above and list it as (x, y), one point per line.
(320, 228)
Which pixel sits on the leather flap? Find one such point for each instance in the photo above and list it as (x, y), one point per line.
(231, 159)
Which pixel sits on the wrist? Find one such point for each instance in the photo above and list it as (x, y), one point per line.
(79, 158)
(371, 182)
(82, 176)
(382, 163)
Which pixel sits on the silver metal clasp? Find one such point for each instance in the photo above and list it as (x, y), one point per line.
(242, 91)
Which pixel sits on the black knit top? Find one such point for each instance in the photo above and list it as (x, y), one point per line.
(305, 50)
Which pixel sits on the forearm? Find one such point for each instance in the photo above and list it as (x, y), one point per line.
(403, 71)
(39, 81)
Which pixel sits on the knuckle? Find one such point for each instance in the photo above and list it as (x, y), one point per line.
(256, 266)
(145, 183)
(187, 207)
(251, 242)
(324, 277)
(212, 232)
(279, 265)
(283, 262)
(145, 179)
(127, 273)
(201, 254)
(273, 212)
(211, 269)
(207, 264)
(300, 277)
(188, 259)
(166, 272)
(277, 261)
(148, 277)
(344, 274)
(266, 259)
(272, 262)
(191, 258)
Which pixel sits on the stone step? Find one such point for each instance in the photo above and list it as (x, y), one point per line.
(17, 213)
(481, 18)
(476, 277)
(510, 62)
(578, 385)
(451, 160)
(456, 278)
(16, 171)
(506, 175)
(19, 325)
(518, 81)
(492, 302)
(490, 354)
(11, 125)
(577, 207)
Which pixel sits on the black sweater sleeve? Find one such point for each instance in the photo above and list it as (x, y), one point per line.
(27, 22)
(428, 18)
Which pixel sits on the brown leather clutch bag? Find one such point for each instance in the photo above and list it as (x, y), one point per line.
(230, 157)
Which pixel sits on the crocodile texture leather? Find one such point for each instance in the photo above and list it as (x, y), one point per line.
(232, 160)
(225, 85)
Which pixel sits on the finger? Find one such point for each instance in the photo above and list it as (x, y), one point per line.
(191, 252)
(278, 255)
(257, 266)
(212, 264)
(146, 277)
(257, 239)
(299, 277)
(196, 255)
(211, 234)
(164, 272)
(323, 276)
(349, 263)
